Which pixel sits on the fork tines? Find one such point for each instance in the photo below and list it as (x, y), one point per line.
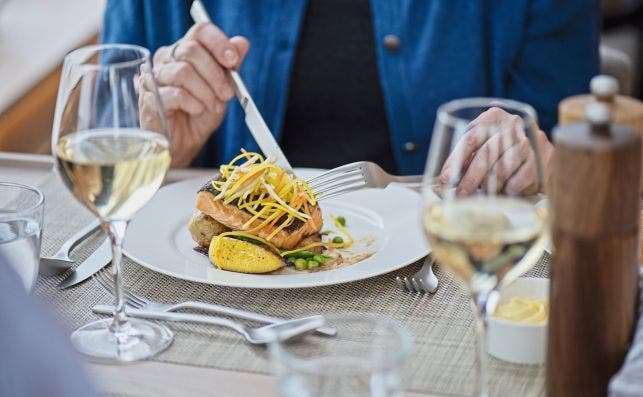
(107, 282)
(411, 284)
(339, 180)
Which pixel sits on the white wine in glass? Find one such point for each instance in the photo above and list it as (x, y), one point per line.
(485, 241)
(486, 229)
(113, 172)
(111, 141)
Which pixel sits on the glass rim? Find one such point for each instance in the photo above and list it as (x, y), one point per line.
(143, 56)
(39, 194)
(387, 360)
(445, 111)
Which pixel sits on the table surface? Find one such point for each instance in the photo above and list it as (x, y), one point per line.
(34, 37)
(150, 378)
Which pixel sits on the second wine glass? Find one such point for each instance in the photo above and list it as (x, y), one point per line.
(486, 230)
(111, 141)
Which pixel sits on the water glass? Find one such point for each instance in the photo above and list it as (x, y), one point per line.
(21, 218)
(365, 358)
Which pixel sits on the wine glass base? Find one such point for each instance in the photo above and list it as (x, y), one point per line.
(135, 340)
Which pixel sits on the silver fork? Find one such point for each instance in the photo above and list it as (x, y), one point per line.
(261, 335)
(138, 302)
(423, 281)
(355, 176)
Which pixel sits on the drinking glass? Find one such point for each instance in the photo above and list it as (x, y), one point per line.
(21, 217)
(111, 142)
(365, 358)
(484, 161)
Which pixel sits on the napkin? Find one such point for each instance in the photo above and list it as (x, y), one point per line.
(628, 381)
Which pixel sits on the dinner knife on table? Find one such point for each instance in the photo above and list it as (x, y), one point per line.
(60, 262)
(256, 124)
(96, 261)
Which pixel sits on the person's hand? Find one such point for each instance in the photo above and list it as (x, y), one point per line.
(194, 86)
(496, 154)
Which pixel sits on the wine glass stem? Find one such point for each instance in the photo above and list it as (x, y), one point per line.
(480, 301)
(116, 232)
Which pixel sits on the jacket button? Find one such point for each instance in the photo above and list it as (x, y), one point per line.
(284, 44)
(410, 147)
(392, 43)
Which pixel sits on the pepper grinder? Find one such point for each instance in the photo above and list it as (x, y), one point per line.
(594, 282)
(625, 110)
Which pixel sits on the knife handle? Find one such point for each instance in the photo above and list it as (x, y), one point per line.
(74, 240)
(240, 90)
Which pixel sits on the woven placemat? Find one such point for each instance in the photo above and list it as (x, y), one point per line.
(442, 358)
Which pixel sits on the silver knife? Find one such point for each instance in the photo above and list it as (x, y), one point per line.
(96, 261)
(256, 124)
(60, 262)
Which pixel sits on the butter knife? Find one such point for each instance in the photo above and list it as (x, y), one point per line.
(60, 262)
(256, 124)
(96, 261)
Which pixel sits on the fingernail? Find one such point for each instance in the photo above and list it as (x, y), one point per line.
(230, 55)
(461, 192)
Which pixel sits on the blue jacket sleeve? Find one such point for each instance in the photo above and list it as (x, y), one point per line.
(123, 22)
(558, 56)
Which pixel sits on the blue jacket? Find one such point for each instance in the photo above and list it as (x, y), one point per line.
(535, 51)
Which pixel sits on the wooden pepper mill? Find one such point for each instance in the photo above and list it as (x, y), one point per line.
(594, 283)
(625, 110)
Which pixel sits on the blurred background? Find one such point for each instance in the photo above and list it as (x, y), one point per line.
(36, 34)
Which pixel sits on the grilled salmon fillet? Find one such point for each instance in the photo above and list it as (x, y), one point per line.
(234, 218)
(203, 229)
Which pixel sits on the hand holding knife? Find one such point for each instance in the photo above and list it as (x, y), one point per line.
(256, 124)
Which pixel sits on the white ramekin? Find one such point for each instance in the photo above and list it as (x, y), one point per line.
(517, 342)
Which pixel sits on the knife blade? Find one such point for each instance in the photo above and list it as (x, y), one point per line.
(60, 262)
(96, 261)
(258, 127)
(256, 124)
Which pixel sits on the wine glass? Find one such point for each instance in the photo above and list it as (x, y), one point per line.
(484, 161)
(111, 142)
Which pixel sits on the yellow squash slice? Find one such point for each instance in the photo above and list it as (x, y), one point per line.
(241, 256)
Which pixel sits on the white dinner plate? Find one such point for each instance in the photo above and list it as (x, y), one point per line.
(385, 222)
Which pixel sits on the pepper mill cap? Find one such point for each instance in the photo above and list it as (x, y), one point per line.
(604, 87)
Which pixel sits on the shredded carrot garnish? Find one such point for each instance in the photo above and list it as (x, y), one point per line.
(273, 197)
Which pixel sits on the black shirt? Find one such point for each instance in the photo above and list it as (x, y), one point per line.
(335, 113)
